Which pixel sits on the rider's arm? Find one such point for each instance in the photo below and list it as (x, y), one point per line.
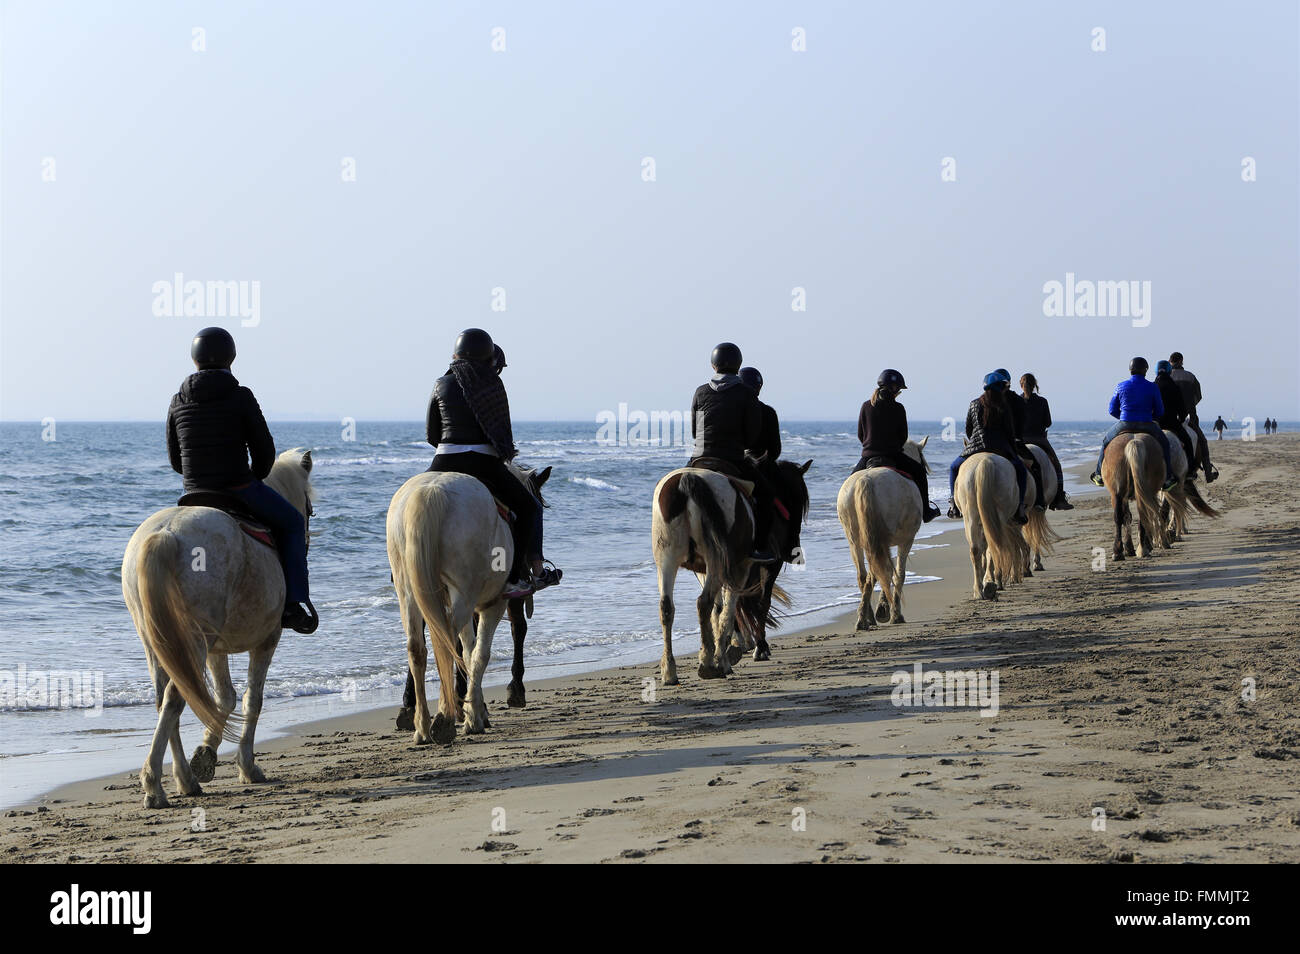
(1047, 415)
(173, 443)
(257, 435)
(1114, 404)
(1157, 405)
(433, 422)
(774, 450)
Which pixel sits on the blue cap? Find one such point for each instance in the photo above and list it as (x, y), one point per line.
(1164, 367)
(993, 379)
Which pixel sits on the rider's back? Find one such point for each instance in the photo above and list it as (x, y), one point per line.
(213, 425)
(725, 419)
(450, 419)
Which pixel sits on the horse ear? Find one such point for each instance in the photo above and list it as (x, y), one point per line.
(306, 462)
(542, 476)
(924, 440)
(803, 468)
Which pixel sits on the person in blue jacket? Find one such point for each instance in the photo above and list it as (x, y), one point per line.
(1136, 403)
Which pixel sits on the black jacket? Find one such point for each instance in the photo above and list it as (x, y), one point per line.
(1018, 414)
(1171, 395)
(1190, 387)
(725, 419)
(213, 425)
(450, 419)
(993, 436)
(769, 438)
(882, 428)
(1038, 418)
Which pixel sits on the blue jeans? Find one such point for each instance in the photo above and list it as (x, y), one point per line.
(1143, 427)
(290, 532)
(1004, 450)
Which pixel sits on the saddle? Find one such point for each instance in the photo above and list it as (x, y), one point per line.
(882, 463)
(234, 508)
(743, 487)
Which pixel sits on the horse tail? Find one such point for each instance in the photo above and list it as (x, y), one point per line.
(876, 542)
(1148, 503)
(1006, 544)
(724, 547)
(1197, 501)
(1039, 534)
(423, 555)
(176, 639)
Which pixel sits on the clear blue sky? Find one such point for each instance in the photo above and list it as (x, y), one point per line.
(522, 169)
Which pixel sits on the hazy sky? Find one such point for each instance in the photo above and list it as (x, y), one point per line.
(522, 169)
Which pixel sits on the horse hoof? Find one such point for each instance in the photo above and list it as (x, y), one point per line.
(487, 722)
(1028, 573)
(867, 627)
(882, 612)
(444, 730)
(898, 619)
(711, 672)
(156, 801)
(203, 763)
(991, 591)
(734, 653)
(762, 653)
(515, 698)
(253, 776)
(405, 719)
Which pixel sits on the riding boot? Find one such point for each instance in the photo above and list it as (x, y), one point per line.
(1060, 503)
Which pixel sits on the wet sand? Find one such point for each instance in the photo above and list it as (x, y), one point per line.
(1121, 690)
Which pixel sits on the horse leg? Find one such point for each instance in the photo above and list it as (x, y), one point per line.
(667, 665)
(417, 656)
(518, 629)
(203, 763)
(170, 704)
(259, 661)
(704, 606)
(476, 717)
(900, 574)
(725, 632)
(1117, 516)
(761, 649)
(866, 587)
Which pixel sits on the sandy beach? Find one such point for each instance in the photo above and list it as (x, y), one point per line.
(1121, 692)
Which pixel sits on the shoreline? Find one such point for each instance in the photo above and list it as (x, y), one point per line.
(1119, 691)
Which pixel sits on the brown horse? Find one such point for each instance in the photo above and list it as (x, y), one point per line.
(1134, 469)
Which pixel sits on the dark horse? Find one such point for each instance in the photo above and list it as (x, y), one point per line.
(754, 611)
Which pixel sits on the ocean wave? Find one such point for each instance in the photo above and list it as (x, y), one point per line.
(594, 482)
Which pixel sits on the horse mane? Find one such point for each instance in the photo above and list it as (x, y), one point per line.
(289, 478)
(522, 474)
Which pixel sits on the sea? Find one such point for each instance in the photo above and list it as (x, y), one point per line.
(70, 504)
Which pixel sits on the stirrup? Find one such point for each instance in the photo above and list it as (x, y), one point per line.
(550, 575)
(299, 620)
(1019, 517)
(953, 512)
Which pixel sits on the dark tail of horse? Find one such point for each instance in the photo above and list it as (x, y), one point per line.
(1196, 500)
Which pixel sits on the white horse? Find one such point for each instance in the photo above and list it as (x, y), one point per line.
(702, 522)
(880, 507)
(199, 589)
(450, 553)
(986, 494)
(1039, 536)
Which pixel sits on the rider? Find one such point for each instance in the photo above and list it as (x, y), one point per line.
(989, 429)
(726, 418)
(1175, 413)
(1191, 389)
(469, 424)
(766, 452)
(1038, 418)
(214, 425)
(882, 429)
(1019, 417)
(1136, 403)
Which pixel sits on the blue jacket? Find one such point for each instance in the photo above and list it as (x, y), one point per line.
(1137, 399)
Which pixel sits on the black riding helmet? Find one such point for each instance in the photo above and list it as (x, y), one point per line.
(474, 344)
(498, 359)
(1138, 366)
(726, 358)
(751, 379)
(889, 378)
(213, 348)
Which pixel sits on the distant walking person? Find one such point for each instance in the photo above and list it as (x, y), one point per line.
(1220, 426)
(1191, 389)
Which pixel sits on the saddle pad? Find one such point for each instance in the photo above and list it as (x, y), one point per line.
(901, 473)
(505, 512)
